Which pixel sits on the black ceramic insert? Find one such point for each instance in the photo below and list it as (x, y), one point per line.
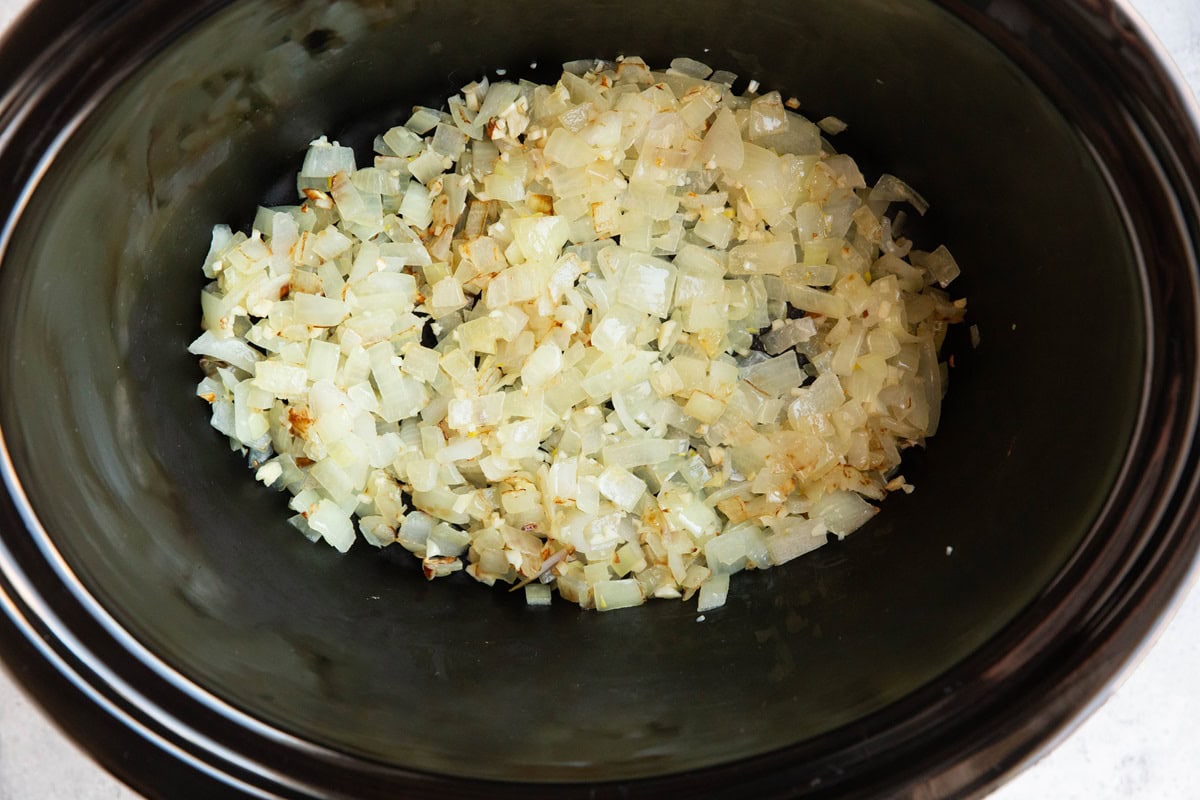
(157, 602)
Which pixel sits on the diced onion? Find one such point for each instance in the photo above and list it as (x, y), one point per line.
(618, 337)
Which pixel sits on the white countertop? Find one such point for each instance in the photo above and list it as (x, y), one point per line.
(1139, 746)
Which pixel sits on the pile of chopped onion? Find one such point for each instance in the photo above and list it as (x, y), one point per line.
(622, 337)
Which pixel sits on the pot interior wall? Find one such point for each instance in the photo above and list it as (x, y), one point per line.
(164, 525)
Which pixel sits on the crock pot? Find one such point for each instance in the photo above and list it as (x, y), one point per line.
(159, 606)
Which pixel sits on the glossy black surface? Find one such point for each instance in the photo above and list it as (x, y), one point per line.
(155, 577)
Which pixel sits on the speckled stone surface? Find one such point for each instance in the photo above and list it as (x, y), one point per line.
(1139, 745)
